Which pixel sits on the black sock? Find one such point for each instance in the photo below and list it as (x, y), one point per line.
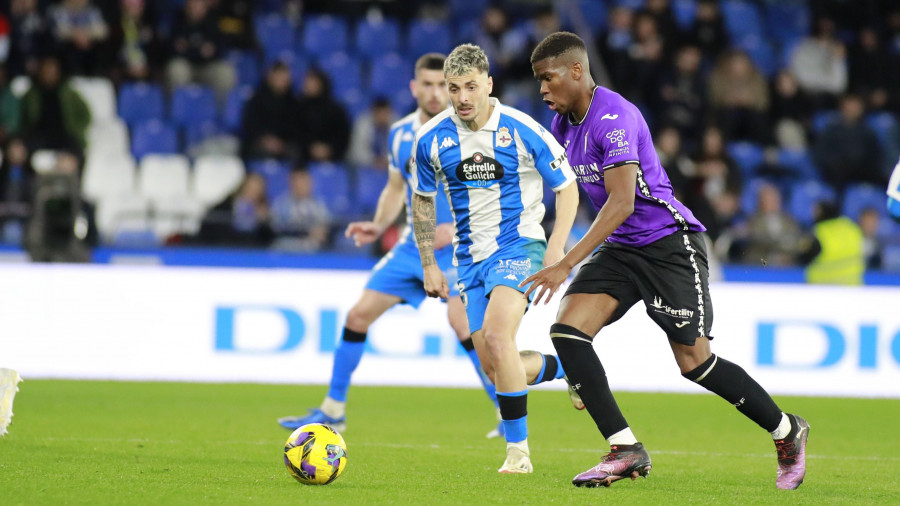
(550, 370)
(732, 383)
(468, 344)
(352, 336)
(585, 372)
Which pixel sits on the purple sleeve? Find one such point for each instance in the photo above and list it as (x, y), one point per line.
(617, 136)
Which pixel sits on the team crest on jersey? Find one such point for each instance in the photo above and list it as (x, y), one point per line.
(503, 137)
(479, 171)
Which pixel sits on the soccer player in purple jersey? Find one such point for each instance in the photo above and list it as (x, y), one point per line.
(650, 249)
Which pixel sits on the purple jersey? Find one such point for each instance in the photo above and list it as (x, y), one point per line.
(614, 133)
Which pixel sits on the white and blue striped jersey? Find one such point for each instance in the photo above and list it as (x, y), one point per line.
(893, 192)
(401, 140)
(492, 177)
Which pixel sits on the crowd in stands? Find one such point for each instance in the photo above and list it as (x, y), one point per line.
(264, 123)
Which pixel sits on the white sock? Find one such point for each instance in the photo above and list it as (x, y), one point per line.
(623, 437)
(521, 445)
(783, 429)
(333, 408)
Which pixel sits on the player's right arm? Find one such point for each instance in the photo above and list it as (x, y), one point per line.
(424, 215)
(390, 205)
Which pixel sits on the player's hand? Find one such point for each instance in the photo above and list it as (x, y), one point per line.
(436, 283)
(548, 279)
(443, 235)
(363, 232)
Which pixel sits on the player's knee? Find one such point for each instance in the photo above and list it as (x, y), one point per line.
(497, 344)
(360, 318)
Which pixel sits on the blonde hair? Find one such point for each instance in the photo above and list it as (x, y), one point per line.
(464, 59)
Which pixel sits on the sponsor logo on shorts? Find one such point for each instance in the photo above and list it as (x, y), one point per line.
(661, 308)
(682, 324)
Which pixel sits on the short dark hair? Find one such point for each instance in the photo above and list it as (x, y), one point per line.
(556, 44)
(430, 61)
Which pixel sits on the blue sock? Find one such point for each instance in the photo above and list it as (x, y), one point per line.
(514, 414)
(551, 369)
(346, 358)
(485, 381)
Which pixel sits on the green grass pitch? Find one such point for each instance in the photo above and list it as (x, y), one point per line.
(86, 442)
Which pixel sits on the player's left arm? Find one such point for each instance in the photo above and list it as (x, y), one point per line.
(566, 209)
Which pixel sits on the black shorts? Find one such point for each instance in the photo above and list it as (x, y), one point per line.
(670, 275)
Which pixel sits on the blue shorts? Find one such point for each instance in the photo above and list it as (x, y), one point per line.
(399, 273)
(507, 267)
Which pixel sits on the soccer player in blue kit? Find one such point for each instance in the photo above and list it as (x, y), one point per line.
(398, 278)
(645, 246)
(491, 160)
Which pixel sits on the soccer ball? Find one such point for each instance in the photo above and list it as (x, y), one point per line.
(315, 454)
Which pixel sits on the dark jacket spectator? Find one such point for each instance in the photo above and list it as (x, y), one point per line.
(17, 180)
(80, 32)
(324, 126)
(789, 102)
(270, 118)
(615, 43)
(234, 21)
(196, 51)
(708, 32)
(28, 36)
(54, 116)
(683, 94)
(138, 47)
(646, 53)
(9, 108)
(847, 150)
(871, 70)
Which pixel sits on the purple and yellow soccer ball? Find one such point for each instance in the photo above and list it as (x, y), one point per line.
(315, 454)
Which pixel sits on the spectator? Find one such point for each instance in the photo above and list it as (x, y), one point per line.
(870, 70)
(79, 31)
(835, 256)
(646, 55)
(715, 170)
(240, 220)
(17, 180)
(683, 94)
(54, 116)
(300, 220)
(137, 45)
(790, 104)
(196, 54)
(504, 45)
(270, 118)
(234, 22)
(739, 98)
(9, 108)
(614, 45)
(28, 36)
(870, 224)
(4, 38)
(544, 22)
(368, 140)
(708, 32)
(324, 126)
(847, 150)
(661, 12)
(771, 235)
(678, 166)
(820, 64)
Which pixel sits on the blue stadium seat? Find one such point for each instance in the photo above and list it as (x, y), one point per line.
(344, 71)
(324, 34)
(804, 196)
(275, 33)
(860, 196)
(822, 119)
(787, 20)
(634, 5)
(196, 133)
(524, 104)
(355, 101)
(426, 36)
(741, 19)
(369, 183)
(153, 136)
(331, 183)
(760, 52)
(140, 102)
(594, 14)
(886, 127)
(246, 65)
(277, 175)
(684, 12)
(376, 39)
(788, 45)
(467, 9)
(390, 72)
(799, 162)
(192, 104)
(233, 113)
(748, 155)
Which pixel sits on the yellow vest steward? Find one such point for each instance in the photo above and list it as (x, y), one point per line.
(841, 260)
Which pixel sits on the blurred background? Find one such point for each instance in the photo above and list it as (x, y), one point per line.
(233, 132)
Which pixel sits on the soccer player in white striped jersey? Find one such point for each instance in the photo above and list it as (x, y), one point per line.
(491, 160)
